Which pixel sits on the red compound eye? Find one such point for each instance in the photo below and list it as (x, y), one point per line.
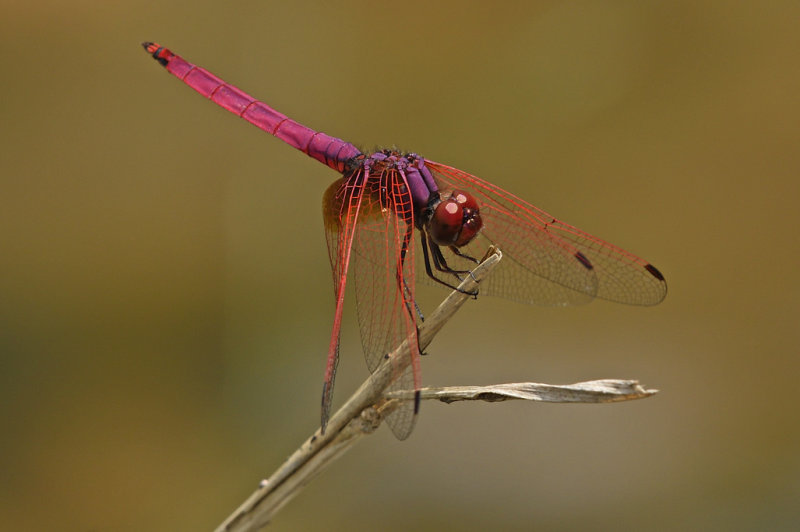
(469, 230)
(456, 220)
(445, 224)
(467, 201)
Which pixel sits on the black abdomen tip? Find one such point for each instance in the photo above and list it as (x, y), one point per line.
(159, 53)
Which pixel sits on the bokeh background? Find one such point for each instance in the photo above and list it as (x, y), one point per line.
(166, 302)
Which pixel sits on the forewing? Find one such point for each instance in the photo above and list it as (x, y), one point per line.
(544, 252)
(383, 273)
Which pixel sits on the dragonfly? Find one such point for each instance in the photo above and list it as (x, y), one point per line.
(386, 200)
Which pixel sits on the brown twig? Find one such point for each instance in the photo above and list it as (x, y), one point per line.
(599, 391)
(363, 412)
(360, 415)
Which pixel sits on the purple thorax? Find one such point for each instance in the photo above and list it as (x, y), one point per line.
(411, 166)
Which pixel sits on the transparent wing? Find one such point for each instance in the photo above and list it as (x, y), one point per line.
(383, 275)
(340, 212)
(382, 271)
(551, 262)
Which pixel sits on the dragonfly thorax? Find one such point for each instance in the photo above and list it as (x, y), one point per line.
(400, 174)
(451, 219)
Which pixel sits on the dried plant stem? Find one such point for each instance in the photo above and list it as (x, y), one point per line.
(599, 391)
(360, 415)
(363, 412)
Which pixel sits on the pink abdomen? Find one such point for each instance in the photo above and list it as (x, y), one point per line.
(324, 148)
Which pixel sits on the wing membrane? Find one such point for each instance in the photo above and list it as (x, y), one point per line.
(545, 251)
(382, 272)
(340, 209)
(383, 276)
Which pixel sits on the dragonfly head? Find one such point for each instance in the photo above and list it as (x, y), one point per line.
(455, 220)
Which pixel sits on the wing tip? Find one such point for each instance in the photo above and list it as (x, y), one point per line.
(326, 407)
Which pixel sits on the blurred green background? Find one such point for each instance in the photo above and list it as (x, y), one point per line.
(166, 302)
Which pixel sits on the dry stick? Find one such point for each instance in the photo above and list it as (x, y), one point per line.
(348, 423)
(367, 407)
(599, 391)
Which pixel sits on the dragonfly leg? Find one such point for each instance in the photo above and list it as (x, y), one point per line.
(458, 252)
(404, 286)
(419, 347)
(441, 263)
(428, 269)
(408, 297)
(435, 253)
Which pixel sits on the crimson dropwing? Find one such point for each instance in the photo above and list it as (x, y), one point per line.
(372, 214)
